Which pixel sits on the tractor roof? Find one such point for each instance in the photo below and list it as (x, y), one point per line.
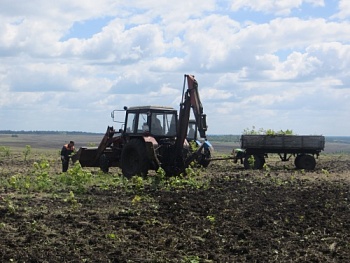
(161, 108)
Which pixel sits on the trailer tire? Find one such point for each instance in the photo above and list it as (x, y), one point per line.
(259, 162)
(306, 162)
(104, 163)
(297, 161)
(134, 160)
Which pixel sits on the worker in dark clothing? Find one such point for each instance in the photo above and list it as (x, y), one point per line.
(66, 151)
(238, 155)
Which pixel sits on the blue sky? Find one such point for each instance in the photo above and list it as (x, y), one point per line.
(264, 63)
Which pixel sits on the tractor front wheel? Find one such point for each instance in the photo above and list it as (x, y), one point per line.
(134, 160)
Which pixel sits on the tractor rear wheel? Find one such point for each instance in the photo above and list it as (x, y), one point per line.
(134, 160)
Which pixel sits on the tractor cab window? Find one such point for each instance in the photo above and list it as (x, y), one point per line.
(142, 123)
(156, 124)
(191, 132)
(130, 123)
(163, 124)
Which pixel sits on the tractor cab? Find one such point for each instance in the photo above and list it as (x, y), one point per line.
(156, 121)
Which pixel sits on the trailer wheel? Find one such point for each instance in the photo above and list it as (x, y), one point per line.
(134, 159)
(259, 161)
(104, 163)
(306, 162)
(297, 161)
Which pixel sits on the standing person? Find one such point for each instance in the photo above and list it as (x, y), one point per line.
(66, 151)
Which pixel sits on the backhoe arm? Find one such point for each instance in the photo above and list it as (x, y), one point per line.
(190, 99)
(196, 105)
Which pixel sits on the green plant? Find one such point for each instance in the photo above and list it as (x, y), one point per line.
(324, 171)
(193, 146)
(138, 182)
(14, 181)
(267, 169)
(111, 236)
(5, 151)
(19, 182)
(158, 179)
(211, 219)
(41, 173)
(76, 178)
(136, 199)
(191, 259)
(107, 181)
(26, 152)
(72, 200)
(251, 161)
(192, 179)
(262, 131)
(10, 206)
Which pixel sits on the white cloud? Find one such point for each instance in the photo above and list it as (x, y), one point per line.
(164, 91)
(215, 94)
(258, 63)
(344, 10)
(277, 7)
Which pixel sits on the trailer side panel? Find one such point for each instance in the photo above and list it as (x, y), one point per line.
(283, 142)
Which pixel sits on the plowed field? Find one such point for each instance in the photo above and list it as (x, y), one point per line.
(221, 214)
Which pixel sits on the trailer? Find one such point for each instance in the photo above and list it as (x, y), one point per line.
(255, 148)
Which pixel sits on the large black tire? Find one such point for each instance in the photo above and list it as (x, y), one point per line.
(306, 162)
(259, 162)
(134, 160)
(104, 163)
(297, 161)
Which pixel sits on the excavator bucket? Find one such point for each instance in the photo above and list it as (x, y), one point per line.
(86, 157)
(90, 156)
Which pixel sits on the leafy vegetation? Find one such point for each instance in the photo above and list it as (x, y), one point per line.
(4, 152)
(78, 180)
(26, 152)
(261, 131)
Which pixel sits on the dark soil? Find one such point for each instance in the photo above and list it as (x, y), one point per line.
(242, 216)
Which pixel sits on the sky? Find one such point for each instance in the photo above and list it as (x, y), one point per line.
(268, 64)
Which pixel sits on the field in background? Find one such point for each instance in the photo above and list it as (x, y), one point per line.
(222, 144)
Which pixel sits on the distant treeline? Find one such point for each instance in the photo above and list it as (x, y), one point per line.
(339, 139)
(224, 138)
(48, 132)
